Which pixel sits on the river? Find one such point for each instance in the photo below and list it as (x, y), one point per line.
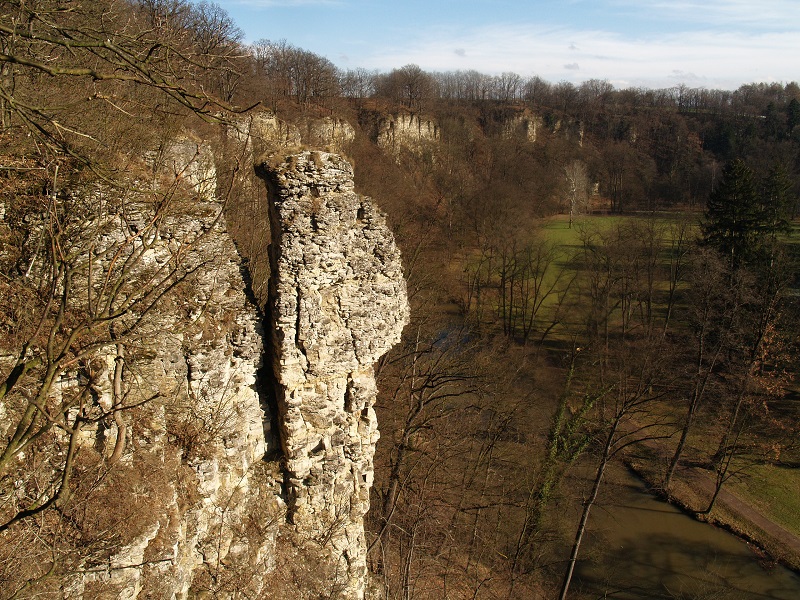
(642, 548)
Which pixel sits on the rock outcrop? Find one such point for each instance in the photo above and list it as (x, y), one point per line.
(338, 302)
(201, 356)
(328, 132)
(208, 435)
(264, 133)
(407, 131)
(180, 473)
(524, 124)
(171, 494)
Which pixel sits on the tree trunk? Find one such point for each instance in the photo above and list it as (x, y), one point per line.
(119, 445)
(587, 507)
(673, 465)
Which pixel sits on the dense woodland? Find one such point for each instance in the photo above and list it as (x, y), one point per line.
(627, 275)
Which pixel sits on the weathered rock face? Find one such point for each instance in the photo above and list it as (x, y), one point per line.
(338, 303)
(202, 357)
(328, 132)
(265, 133)
(407, 132)
(209, 431)
(525, 124)
(187, 504)
(193, 496)
(193, 161)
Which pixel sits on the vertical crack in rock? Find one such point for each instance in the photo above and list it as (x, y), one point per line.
(338, 301)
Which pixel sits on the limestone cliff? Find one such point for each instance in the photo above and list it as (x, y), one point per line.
(169, 493)
(407, 131)
(178, 486)
(338, 302)
(264, 133)
(328, 132)
(524, 124)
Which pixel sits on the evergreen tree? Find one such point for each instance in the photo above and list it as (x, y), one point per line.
(776, 202)
(792, 115)
(734, 217)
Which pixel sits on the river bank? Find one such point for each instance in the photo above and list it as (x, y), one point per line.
(639, 547)
(690, 491)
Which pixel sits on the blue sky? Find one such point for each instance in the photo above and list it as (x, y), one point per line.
(650, 43)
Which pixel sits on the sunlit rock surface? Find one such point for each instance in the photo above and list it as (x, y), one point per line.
(338, 302)
(407, 132)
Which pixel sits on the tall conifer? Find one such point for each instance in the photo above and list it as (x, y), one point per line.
(734, 218)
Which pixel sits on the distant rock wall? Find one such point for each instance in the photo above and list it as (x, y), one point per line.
(265, 133)
(525, 124)
(338, 302)
(329, 133)
(406, 131)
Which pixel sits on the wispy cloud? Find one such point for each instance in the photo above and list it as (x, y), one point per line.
(765, 14)
(703, 58)
(653, 43)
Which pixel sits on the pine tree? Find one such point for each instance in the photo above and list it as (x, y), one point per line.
(734, 217)
(776, 201)
(792, 115)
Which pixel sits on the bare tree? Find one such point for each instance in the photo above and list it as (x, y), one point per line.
(431, 377)
(358, 83)
(576, 177)
(530, 278)
(713, 311)
(756, 374)
(409, 85)
(292, 72)
(567, 439)
(509, 86)
(630, 380)
(537, 91)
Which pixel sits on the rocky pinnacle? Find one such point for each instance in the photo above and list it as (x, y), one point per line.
(337, 304)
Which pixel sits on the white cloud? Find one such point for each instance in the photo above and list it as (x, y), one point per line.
(771, 14)
(701, 58)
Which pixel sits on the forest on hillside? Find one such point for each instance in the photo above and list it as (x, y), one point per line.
(596, 275)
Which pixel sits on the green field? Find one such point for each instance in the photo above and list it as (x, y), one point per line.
(775, 490)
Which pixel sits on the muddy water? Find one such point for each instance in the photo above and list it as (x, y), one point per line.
(641, 548)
